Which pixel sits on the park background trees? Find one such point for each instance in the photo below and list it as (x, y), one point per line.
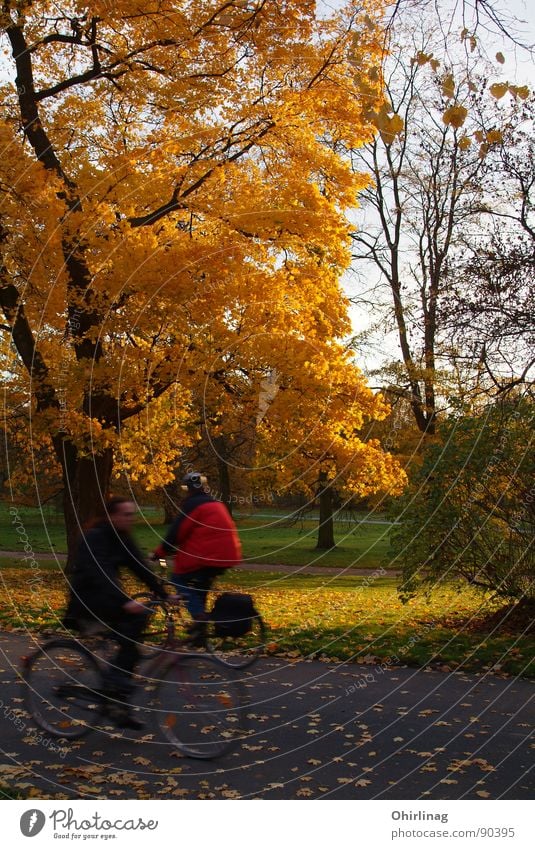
(169, 169)
(176, 195)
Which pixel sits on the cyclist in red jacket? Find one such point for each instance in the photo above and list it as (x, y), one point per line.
(205, 542)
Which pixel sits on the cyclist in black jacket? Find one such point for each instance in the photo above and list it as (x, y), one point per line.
(97, 595)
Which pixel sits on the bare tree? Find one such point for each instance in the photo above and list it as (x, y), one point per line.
(491, 307)
(425, 188)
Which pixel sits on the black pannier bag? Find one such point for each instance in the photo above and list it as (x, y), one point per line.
(232, 614)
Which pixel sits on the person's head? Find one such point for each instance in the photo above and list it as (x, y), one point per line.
(193, 482)
(121, 512)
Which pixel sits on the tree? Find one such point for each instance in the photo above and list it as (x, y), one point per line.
(325, 447)
(154, 156)
(490, 308)
(468, 514)
(439, 123)
(477, 17)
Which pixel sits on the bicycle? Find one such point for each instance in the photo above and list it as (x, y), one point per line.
(169, 617)
(194, 698)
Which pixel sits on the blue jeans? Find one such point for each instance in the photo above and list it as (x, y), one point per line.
(195, 586)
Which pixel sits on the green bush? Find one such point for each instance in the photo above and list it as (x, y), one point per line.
(469, 512)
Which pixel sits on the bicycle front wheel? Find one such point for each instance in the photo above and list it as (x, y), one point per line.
(63, 688)
(237, 652)
(198, 706)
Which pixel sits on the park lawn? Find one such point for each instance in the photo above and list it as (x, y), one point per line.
(355, 619)
(264, 540)
(364, 546)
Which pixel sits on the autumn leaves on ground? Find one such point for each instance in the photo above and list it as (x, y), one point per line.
(339, 620)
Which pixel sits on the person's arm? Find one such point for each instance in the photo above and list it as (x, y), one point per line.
(135, 562)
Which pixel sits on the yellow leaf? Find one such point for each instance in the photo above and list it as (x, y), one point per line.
(498, 89)
(519, 91)
(465, 143)
(422, 58)
(448, 86)
(494, 137)
(455, 115)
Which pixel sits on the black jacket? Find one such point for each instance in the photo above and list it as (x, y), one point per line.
(96, 590)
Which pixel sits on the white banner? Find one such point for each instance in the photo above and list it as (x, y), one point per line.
(267, 824)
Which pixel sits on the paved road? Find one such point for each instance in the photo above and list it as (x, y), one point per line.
(330, 731)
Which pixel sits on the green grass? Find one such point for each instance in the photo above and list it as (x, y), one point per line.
(264, 540)
(358, 619)
(365, 547)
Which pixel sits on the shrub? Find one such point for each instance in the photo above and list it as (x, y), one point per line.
(469, 512)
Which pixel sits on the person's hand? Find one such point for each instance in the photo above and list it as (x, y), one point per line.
(134, 607)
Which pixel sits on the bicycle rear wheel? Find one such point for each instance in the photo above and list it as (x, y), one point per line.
(64, 684)
(198, 706)
(237, 652)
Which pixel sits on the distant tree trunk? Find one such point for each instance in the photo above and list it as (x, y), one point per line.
(86, 486)
(223, 473)
(172, 496)
(326, 526)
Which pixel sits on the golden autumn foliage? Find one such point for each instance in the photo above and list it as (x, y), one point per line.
(173, 202)
(327, 437)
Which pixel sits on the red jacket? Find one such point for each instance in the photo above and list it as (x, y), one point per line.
(202, 535)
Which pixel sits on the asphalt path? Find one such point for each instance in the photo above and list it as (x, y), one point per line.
(244, 567)
(316, 731)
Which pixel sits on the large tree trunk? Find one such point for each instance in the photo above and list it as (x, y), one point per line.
(86, 486)
(326, 526)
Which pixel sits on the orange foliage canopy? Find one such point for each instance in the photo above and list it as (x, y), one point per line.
(172, 184)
